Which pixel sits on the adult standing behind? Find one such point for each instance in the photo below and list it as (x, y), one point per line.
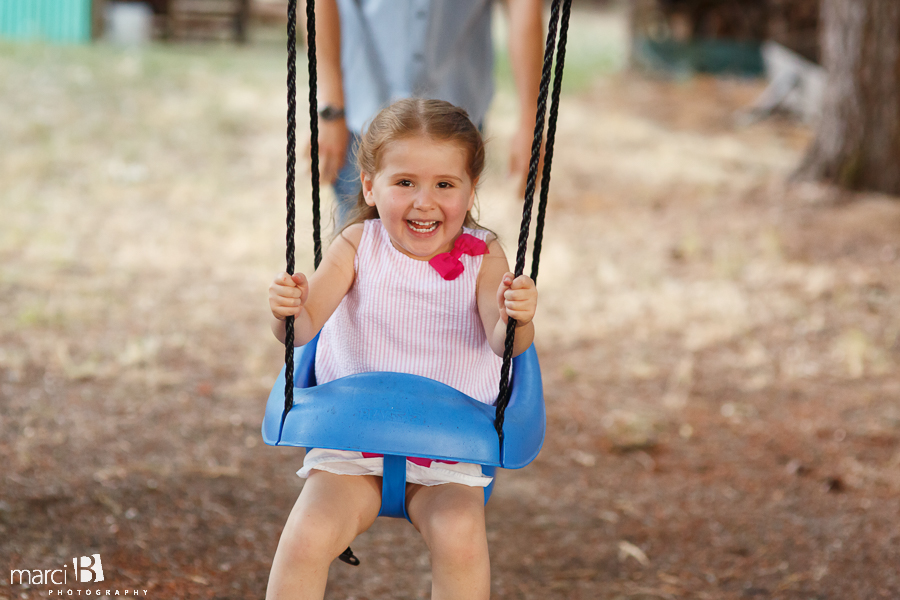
(373, 52)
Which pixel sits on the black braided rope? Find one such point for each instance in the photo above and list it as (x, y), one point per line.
(551, 137)
(504, 393)
(289, 185)
(291, 169)
(313, 127)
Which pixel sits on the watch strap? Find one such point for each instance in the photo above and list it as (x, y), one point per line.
(331, 113)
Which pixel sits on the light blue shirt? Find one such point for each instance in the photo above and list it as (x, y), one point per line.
(392, 49)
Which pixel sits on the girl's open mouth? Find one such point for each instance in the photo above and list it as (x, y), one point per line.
(422, 226)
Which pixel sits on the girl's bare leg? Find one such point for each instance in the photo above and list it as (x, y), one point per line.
(330, 512)
(450, 518)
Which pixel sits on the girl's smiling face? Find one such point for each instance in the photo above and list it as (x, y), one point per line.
(423, 192)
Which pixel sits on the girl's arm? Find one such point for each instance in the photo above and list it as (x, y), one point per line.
(312, 302)
(500, 296)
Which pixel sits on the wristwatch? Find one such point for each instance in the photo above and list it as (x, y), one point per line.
(331, 113)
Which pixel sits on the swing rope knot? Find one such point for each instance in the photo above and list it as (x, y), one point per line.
(448, 265)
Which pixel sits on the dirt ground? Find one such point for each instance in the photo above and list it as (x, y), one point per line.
(719, 346)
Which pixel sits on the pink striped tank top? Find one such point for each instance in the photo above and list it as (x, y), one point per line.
(400, 315)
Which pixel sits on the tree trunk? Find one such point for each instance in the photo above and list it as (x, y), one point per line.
(857, 143)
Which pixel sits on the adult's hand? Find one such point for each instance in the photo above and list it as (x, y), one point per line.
(333, 140)
(520, 157)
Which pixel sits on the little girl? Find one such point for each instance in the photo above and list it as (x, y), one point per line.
(412, 285)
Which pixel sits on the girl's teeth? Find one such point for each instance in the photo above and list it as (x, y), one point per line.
(423, 226)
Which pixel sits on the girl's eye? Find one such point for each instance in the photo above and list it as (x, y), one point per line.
(404, 183)
(445, 185)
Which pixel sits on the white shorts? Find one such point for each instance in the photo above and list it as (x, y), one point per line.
(346, 462)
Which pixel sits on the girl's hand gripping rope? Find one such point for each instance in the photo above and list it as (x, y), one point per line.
(287, 295)
(517, 298)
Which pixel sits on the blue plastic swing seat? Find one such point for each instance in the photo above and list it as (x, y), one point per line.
(400, 415)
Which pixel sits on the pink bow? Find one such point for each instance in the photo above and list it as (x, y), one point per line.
(448, 265)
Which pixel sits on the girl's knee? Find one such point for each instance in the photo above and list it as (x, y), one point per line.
(457, 531)
(308, 538)
(331, 511)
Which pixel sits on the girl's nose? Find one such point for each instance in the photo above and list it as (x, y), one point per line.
(424, 199)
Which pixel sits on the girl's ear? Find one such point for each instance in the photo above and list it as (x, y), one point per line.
(472, 196)
(367, 183)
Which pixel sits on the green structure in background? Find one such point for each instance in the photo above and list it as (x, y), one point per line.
(716, 56)
(57, 21)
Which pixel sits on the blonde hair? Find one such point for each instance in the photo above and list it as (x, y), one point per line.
(433, 119)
